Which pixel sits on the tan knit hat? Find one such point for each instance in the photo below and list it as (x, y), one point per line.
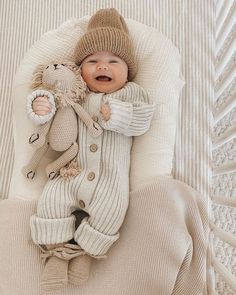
(107, 31)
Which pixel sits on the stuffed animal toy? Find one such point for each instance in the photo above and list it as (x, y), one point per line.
(63, 85)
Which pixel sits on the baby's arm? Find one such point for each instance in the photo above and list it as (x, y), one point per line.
(132, 117)
(40, 106)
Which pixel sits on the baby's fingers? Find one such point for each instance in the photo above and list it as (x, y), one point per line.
(41, 108)
(41, 98)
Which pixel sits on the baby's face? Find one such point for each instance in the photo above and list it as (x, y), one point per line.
(104, 72)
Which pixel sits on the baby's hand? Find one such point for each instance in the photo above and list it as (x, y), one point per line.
(41, 106)
(106, 112)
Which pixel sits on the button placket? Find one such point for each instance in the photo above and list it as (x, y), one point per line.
(81, 204)
(91, 176)
(93, 157)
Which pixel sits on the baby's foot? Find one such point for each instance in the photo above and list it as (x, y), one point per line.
(79, 269)
(54, 276)
(95, 129)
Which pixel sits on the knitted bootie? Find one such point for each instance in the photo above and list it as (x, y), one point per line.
(55, 274)
(79, 269)
(56, 259)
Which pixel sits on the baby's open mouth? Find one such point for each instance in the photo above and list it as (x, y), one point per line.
(103, 78)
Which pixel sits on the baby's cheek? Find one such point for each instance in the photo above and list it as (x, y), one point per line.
(87, 78)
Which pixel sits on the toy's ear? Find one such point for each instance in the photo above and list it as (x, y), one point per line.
(73, 67)
(40, 68)
(37, 76)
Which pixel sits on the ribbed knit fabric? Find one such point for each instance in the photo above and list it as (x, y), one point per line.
(52, 231)
(161, 250)
(95, 241)
(54, 275)
(107, 31)
(102, 188)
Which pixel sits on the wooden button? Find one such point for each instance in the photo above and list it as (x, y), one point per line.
(91, 176)
(93, 147)
(95, 118)
(81, 204)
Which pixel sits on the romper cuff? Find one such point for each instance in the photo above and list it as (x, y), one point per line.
(121, 116)
(51, 231)
(92, 241)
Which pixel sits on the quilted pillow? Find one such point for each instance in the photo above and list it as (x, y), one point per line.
(159, 72)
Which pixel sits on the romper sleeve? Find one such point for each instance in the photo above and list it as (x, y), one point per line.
(38, 119)
(131, 110)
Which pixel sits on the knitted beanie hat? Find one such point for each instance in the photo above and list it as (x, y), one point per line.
(107, 31)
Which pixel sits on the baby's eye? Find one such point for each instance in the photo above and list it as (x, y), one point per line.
(113, 61)
(92, 61)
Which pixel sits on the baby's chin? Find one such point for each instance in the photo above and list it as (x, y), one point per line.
(106, 88)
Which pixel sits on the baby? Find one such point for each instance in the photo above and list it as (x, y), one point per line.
(123, 109)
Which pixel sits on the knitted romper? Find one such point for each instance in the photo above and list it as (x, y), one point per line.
(102, 187)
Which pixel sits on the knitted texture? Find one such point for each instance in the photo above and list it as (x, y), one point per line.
(79, 269)
(63, 131)
(54, 276)
(102, 187)
(107, 31)
(60, 133)
(62, 161)
(57, 230)
(161, 250)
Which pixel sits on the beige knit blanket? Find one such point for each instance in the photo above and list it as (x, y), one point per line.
(162, 247)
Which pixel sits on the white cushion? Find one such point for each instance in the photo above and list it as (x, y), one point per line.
(159, 72)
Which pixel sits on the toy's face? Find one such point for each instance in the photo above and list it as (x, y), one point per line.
(58, 76)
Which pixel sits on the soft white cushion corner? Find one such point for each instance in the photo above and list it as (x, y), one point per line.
(159, 73)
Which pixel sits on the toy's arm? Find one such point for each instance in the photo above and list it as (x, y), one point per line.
(39, 119)
(133, 116)
(94, 128)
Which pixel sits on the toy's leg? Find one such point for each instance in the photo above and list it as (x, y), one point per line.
(94, 128)
(38, 139)
(53, 168)
(30, 169)
(79, 269)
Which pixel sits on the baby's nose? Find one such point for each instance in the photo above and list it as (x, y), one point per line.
(102, 67)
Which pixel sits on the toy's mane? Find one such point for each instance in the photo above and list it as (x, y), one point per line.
(77, 93)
